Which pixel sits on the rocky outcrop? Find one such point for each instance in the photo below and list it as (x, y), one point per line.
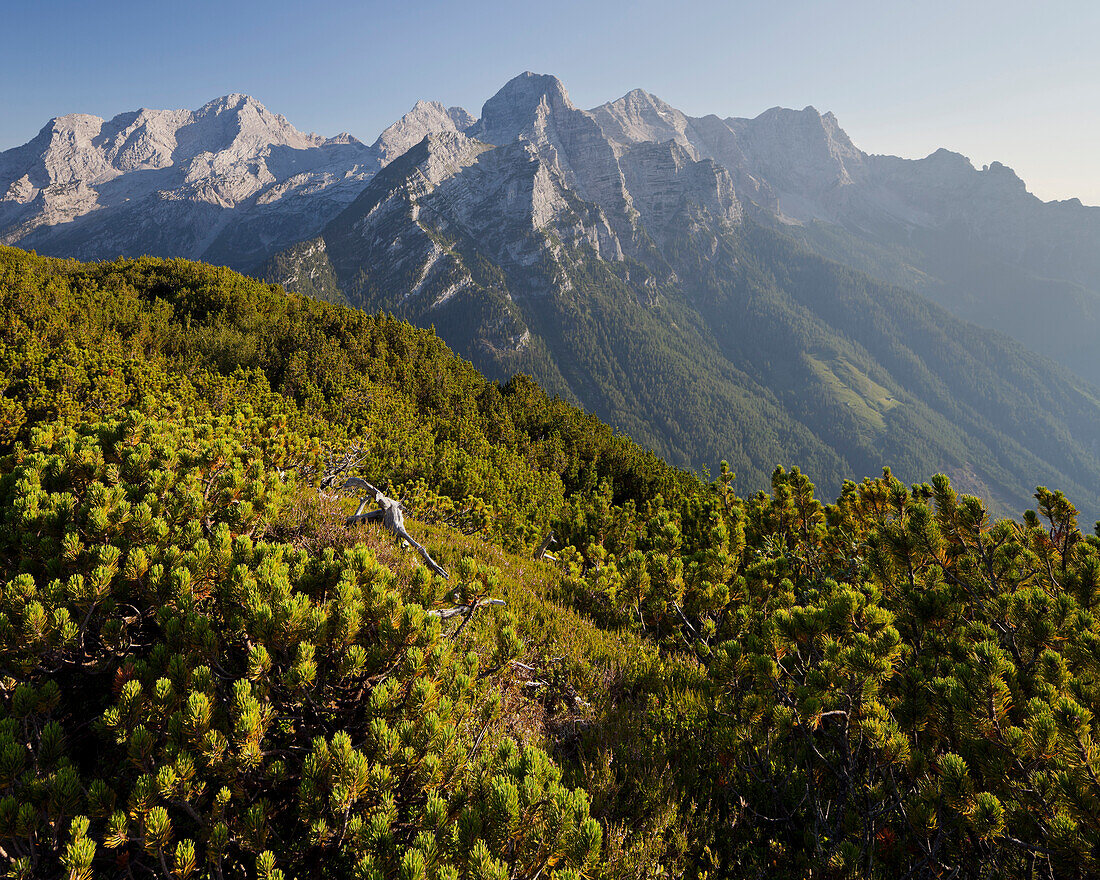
(535, 109)
(378, 240)
(461, 118)
(664, 182)
(639, 117)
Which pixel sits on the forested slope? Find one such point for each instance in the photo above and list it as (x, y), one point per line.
(205, 673)
(698, 332)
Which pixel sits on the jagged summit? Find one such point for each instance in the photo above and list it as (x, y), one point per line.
(529, 87)
(461, 117)
(950, 156)
(1003, 172)
(807, 127)
(70, 122)
(344, 138)
(518, 107)
(83, 186)
(642, 96)
(90, 150)
(801, 154)
(233, 101)
(639, 116)
(641, 101)
(425, 118)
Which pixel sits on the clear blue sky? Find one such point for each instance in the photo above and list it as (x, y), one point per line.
(1013, 81)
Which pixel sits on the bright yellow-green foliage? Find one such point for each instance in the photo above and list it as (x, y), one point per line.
(202, 675)
(191, 700)
(891, 684)
(81, 342)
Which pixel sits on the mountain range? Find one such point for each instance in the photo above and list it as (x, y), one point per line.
(758, 290)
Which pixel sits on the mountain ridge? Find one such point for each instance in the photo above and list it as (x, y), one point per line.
(973, 240)
(683, 278)
(664, 309)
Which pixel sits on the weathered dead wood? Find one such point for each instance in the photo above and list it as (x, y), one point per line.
(392, 517)
(465, 610)
(544, 545)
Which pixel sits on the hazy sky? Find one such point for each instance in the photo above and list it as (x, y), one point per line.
(1013, 81)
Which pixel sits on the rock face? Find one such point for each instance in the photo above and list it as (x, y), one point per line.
(533, 175)
(425, 118)
(460, 117)
(229, 183)
(975, 241)
(223, 183)
(664, 182)
(638, 117)
(536, 110)
(473, 230)
(807, 168)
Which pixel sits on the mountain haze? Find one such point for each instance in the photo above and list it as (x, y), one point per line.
(975, 241)
(756, 290)
(631, 278)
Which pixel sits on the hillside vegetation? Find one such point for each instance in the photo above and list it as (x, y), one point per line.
(205, 673)
(705, 339)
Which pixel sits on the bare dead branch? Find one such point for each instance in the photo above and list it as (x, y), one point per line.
(445, 613)
(392, 517)
(544, 545)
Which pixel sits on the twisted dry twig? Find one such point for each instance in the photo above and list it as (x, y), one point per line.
(392, 517)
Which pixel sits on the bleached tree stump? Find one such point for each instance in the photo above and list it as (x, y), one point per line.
(544, 546)
(392, 516)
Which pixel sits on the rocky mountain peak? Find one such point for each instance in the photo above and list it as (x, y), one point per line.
(461, 117)
(344, 138)
(519, 107)
(234, 101)
(807, 129)
(442, 154)
(639, 116)
(535, 109)
(71, 124)
(946, 157)
(839, 142)
(995, 184)
(72, 190)
(417, 171)
(800, 153)
(643, 103)
(242, 121)
(1003, 173)
(425, 118)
